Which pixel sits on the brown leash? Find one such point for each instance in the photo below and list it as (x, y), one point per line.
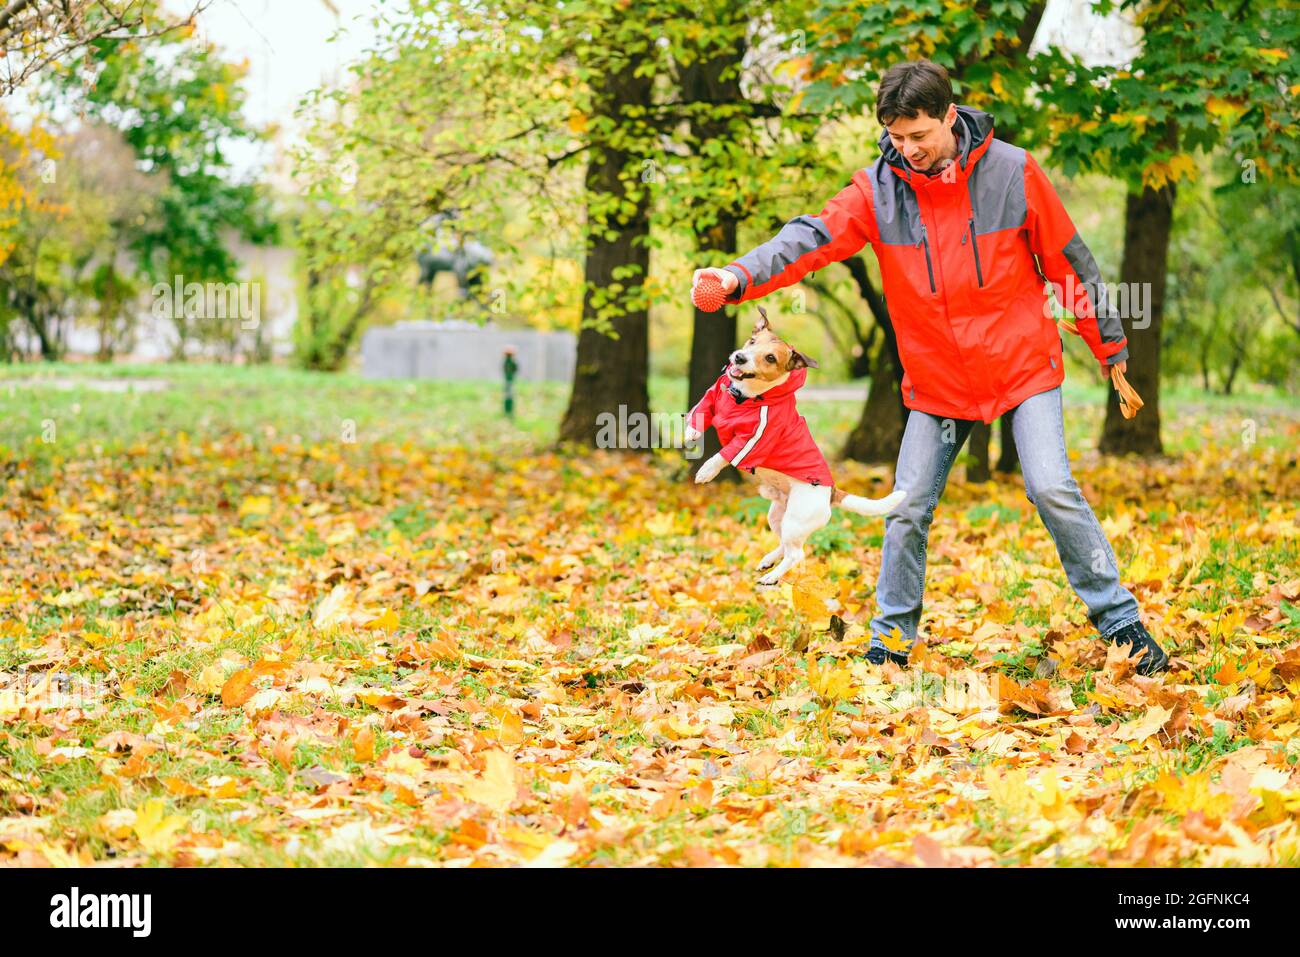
(1129, 400)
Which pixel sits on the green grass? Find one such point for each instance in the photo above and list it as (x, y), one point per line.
(272, 405)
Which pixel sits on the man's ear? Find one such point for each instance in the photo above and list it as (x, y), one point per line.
(800, 361)
(762, 323)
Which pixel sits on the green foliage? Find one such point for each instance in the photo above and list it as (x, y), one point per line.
(1233, 299)
(855, 43)
(503, 112)
(62, 245)
(1208, 73)
(178, 105)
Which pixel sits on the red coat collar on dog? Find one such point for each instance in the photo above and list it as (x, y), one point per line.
(764, 431)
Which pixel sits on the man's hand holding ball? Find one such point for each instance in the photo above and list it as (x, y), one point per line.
(711, 287)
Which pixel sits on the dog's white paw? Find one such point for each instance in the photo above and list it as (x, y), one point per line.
(770, 559)
(692, 434)
(710, 469)
(769, 580)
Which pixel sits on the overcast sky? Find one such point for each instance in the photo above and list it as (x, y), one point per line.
(289, 51)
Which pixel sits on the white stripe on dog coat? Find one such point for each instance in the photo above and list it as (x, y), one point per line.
(762, 424)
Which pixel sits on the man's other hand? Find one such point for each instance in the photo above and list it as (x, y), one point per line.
(1105, 369)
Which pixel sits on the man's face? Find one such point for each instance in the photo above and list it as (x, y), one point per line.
(923, 140)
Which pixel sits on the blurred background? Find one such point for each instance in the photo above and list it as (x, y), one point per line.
(401, 189)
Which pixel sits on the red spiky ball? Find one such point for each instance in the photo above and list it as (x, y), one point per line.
(708, 294)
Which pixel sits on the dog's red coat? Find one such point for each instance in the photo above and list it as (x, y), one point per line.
(765, 431)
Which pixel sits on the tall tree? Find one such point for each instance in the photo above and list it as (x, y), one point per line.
(612, 368)
(726, 128)
(1208, 72)
(714, 79)
(178, 104)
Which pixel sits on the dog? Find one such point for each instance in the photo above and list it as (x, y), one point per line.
(752, 406)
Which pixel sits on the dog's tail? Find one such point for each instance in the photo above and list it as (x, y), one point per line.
(867, 506)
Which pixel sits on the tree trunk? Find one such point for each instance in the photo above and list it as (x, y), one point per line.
(879, 433)
(610, 376)
(861, 366)
(1148, 219)
(1233, 366)
(713, 338)
(977, 468)
(713, 334)
(980, 436)
(1009, 455)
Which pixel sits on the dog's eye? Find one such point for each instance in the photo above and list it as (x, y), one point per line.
(771, 358)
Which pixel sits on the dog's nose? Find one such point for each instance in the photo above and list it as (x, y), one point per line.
(738, 358)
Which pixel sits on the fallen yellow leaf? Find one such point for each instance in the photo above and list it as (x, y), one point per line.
(496, 788)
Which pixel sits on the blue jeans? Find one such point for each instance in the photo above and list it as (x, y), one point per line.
(930, 444)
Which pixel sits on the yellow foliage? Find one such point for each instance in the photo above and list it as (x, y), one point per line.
(157, 831)
(1179, 167)
(830, 683)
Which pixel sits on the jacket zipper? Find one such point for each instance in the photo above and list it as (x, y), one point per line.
(976, 249)
(928, 268)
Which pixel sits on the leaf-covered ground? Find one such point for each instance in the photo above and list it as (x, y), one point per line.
(236, 629)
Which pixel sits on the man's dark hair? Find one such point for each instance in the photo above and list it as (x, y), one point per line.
(908, 87)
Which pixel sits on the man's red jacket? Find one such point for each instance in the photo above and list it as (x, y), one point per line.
(765, 430)
(960, 263)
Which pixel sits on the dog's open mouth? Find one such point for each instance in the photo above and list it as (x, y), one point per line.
(735, 373)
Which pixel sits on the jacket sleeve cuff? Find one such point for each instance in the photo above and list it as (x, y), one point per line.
(1113, 351)
(1118, 357)
(739, 272)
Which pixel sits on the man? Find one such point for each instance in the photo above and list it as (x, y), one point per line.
(956, 219)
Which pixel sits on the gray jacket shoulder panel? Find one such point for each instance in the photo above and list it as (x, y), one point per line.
(997, 188)
(898, 217)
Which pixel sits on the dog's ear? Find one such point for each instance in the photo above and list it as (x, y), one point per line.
(800, 361)
(762, 322)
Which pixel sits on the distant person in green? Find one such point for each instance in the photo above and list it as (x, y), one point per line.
(510, 367)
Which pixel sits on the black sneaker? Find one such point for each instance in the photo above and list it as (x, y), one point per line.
(1154, 661)
(877, 656)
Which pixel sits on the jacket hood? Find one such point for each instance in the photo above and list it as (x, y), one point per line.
(974, 131)
(791, 385)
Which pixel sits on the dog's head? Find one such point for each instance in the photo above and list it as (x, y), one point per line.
(765, 360)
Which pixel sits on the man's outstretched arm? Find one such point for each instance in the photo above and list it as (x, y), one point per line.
(807, 243)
